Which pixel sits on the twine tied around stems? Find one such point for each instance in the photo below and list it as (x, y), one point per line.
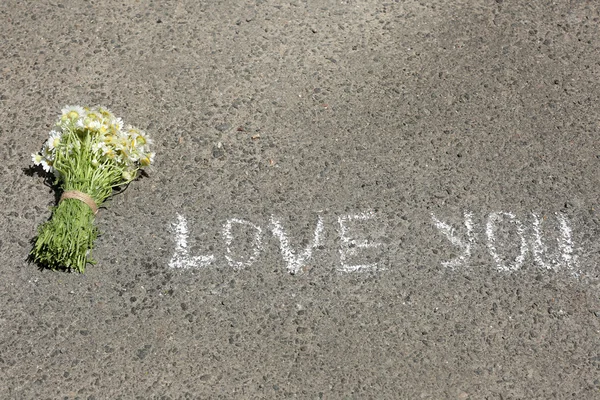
(76, 194)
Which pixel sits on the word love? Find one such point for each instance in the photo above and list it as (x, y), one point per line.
(295, 258)
(524, 238)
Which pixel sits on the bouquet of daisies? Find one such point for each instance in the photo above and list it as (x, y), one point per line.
(90, 152)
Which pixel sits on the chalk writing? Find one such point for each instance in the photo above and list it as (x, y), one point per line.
(508, 241)
(181, 258)
(494, 219)
(228, 236)
(350, 247)
(456, 240)
(295, 260)
(563, 257)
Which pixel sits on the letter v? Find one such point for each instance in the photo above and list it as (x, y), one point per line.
(295, 260)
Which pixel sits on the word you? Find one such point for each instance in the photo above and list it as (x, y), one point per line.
(527, 241)
(507, 239)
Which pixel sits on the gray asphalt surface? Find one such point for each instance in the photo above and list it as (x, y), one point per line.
(351, 199)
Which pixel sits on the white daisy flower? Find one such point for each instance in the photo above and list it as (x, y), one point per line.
(147, 159)
(72, 112)
(134, 156)
(93, 125)
(117, 124)
(104, 128)
(143, 137)
(47, 152)
(139, 136)
(108, 152)
(47, 165)
(105, 113)
(54, 139)
(36, 158)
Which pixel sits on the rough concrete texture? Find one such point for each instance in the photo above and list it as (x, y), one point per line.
(448, 147)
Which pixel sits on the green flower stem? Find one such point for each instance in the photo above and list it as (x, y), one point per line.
(64, 242)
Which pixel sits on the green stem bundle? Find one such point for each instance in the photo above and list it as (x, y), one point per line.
(66, 240)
